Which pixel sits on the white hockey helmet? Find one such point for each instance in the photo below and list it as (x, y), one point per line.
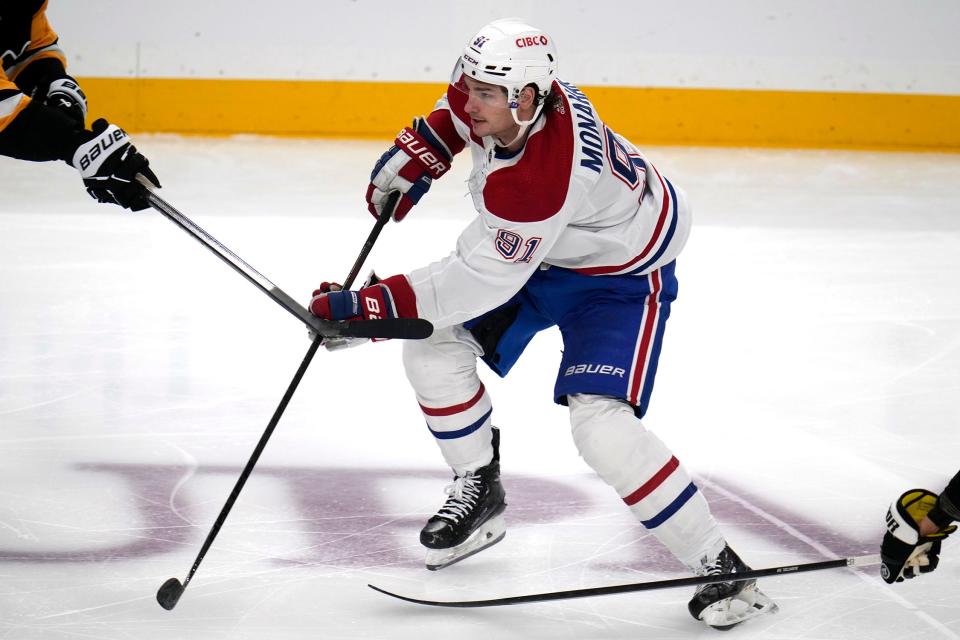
(512, 54)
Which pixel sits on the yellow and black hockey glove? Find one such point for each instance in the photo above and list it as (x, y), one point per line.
(905, 553)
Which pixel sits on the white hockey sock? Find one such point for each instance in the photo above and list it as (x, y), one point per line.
(463, 431)
(646, 475)
(455, 404)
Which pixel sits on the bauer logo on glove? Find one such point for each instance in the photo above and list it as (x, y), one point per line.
(109, 166)
(905, 553)
(88, 154)
(417, 158)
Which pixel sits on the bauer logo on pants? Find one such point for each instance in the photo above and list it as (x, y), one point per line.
(601, 369)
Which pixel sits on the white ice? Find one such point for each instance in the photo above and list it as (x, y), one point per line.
(810, 374)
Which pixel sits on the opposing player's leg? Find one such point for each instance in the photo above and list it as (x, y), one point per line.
(606, 379)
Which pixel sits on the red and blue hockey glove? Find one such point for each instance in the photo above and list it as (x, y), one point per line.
(905, 553)
(417, 158)
(326, 288)
(370, 303)
(335, 344)
(377, 299)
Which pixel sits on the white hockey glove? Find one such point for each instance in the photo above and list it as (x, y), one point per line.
(904, 553)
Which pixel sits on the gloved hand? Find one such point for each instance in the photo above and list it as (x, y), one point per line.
(336, 344)
(410, 166)
(904, 553)
(369, 303)
(109, 165)
(65, 94)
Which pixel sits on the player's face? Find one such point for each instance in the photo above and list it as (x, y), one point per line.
(488, 110)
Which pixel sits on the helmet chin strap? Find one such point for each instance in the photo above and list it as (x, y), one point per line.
(524, 124)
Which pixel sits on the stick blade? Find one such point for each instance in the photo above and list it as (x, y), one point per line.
(458, 604)
(389, 328)
(169, 593)
(406, 598)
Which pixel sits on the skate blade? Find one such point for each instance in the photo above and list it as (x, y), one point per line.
(749, 603)
(488, 534)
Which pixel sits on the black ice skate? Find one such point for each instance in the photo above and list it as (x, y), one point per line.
(726, 604)
(472, 517)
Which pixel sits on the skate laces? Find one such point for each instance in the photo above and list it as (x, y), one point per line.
(463, 496)
(714, 568)
(726, 562)
(723, 563)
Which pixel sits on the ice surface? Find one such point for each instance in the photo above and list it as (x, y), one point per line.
(809, 375)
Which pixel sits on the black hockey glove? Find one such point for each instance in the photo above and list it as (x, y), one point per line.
(109, 165)
(63, 93)
(904, 553)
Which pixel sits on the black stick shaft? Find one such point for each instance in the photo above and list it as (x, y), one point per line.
(372, 238)
(859, 561)
(254, 457)
(291, 388)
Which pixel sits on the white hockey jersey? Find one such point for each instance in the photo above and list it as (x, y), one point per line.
(576, 196)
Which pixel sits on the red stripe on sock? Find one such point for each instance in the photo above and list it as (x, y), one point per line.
(650, 485)
(456, 408)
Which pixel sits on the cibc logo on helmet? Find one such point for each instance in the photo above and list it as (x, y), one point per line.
(531, 41)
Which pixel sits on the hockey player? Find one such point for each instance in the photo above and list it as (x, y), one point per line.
(917, 523)
(576, 229)
(43, 112)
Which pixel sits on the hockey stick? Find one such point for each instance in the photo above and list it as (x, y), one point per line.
(401, 328)
(170, 591)
(859, 561)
